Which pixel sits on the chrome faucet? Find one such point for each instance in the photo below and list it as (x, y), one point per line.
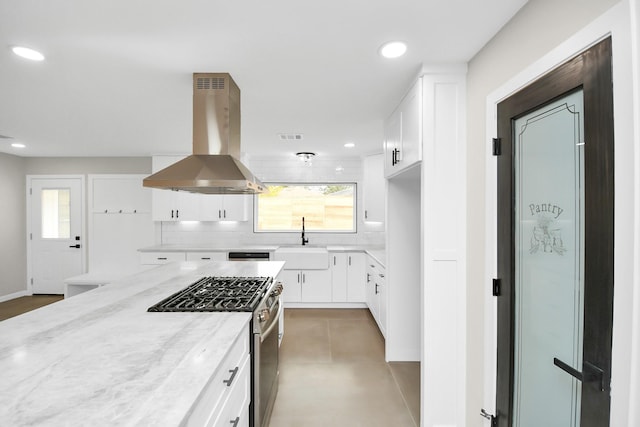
(304, 241)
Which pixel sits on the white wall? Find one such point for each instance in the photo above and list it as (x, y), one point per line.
(271, 169)
(502, 67)
(13, 171)
(13, 247)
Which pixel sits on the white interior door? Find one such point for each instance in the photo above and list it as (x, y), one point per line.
(56, 249)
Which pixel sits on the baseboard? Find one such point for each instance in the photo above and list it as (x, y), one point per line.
(13, 296)
(325, 305)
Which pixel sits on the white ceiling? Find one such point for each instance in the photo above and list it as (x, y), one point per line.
(117, 76)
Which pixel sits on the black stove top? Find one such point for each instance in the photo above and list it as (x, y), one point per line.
(217, 294)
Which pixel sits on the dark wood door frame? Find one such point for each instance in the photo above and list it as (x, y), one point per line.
(591, 71)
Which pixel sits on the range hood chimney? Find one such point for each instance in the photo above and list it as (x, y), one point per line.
(214, 167)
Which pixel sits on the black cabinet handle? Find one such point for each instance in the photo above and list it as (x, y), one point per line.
(162, 258)
(171, 213)
(235, 422)
(377, 289)
(590, 373)
(177, 213)
(75, 246)
(233, 375)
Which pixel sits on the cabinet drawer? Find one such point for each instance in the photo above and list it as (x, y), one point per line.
(235, 411)
(206, 256)
(210, 404)
(161, 257)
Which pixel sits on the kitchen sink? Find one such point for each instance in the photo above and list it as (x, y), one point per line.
(298, 257)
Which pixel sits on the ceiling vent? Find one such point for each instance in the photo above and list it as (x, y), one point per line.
(291, 136)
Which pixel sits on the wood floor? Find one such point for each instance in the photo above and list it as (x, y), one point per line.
(21, 305)
(333, 373)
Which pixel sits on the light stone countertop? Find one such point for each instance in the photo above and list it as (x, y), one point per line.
(100, 359)
(377, 252)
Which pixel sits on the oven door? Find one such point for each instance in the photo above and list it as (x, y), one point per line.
(265, 362)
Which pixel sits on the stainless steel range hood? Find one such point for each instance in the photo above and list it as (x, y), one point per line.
(213, 168)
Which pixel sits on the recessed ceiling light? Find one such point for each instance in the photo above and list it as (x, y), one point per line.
(18, 145)
(25, 52)
(393, 49)
(349, 145)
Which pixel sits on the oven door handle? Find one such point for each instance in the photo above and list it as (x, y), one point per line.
(273, 324)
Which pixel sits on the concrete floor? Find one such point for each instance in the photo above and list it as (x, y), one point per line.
(333, 373)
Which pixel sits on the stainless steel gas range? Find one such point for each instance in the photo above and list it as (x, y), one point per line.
(260, 295)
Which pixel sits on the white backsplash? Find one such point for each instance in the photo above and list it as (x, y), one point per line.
(271, 169)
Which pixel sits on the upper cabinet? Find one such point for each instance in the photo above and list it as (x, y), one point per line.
(183, 206)
(374, 188)
(403, 133)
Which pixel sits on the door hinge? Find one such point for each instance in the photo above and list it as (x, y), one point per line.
(488, 416)
(496, 287)
(30, 236)
(497, 146)
(32, 281)
(31, 191)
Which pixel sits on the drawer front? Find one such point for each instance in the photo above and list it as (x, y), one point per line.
(235, 410)
(206, 256)
(161, 257)
(209, 405)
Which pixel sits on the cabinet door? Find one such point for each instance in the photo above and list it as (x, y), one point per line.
(187, 206)
(356, 277)
(235, 207)
(374, 188)
(291, 281)
(371, 289)
(338, 267)
(392, 142)
(411, 150)
(381, 290)
(316, 285)
(164, 203)
(403, 133)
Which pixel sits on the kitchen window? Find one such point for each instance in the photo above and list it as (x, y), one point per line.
(326, 207)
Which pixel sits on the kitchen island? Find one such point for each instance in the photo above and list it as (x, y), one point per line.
(101, 359)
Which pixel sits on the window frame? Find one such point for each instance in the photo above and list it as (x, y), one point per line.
(354, 229)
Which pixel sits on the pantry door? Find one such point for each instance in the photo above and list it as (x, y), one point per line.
(555, 247)
(55, 232)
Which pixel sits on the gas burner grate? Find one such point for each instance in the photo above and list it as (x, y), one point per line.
(216, 294)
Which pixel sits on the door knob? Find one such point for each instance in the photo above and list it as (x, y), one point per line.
(75, 246)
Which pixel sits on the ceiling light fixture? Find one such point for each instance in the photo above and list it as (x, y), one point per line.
(306, 156)
(25, 52)
(349, 145)
(393, 49)
(18, 145)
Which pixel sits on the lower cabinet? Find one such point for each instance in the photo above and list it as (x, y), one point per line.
(347, 276)
(306, 285)
(148, 258)
(225, 401)
(376, 293)
(206, 256)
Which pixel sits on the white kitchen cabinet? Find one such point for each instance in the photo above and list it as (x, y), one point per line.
(376, 293)
(184, 206)
(347, 276)
(403, 133)
(149, 258)
(312, 286)
(217, 207)
(374, 188)
(225, 401)
(170, 205)
(206, 256)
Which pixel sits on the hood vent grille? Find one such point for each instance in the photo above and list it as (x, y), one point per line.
(210, 83)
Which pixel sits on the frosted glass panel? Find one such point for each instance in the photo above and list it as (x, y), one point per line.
(549, 238)
(56, 222)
